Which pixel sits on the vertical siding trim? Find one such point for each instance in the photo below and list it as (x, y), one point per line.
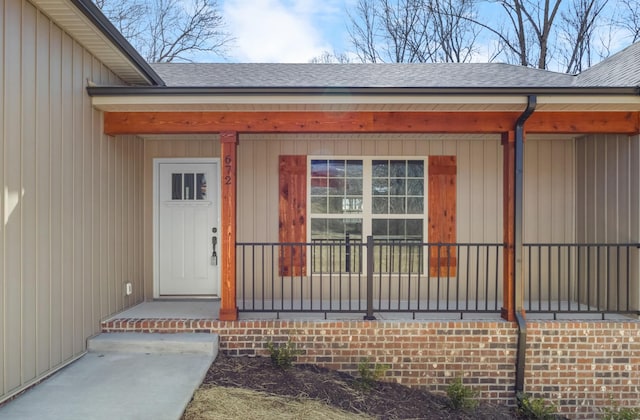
(28, 187)
(67, 210)
(78, 199)
(87, 204)
(42, 191)
(3, 356)
(13, 202)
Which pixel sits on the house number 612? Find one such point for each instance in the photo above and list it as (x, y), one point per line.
(227, 168)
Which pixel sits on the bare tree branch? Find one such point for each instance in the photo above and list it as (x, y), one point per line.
(538, 33)
(630, 20)
(578, 25)
(327, 58)
(408, 38)
(362, 31)
(532, 23)
(169, 30)
(413, 30)
(125, 16)
(456, 33)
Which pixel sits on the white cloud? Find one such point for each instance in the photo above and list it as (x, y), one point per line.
(276, 30)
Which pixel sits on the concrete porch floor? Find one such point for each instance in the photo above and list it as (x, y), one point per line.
(209, 309)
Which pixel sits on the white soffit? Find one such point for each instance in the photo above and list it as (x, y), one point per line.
(355, 136)
(229, 103)
(76, 24)
(588, 103)
(406, 103)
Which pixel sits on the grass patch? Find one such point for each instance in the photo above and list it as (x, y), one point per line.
(220, 403)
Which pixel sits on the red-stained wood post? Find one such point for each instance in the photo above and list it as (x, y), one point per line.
(508, 224)
(228, 148)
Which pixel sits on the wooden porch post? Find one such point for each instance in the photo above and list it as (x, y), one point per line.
(508, 222)
(228, 147)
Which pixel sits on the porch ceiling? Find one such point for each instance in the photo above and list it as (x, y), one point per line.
(352, 136)
(362, 103)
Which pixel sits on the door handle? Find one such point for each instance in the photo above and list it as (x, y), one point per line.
(214, 255)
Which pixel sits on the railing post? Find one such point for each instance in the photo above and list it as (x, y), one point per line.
(347, 253)
(369, 316)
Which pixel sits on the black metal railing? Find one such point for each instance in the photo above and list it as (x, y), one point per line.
(374, 276)
(400, 276)
(336, 255)
(462, 277)
(298, 277)
(581, 278)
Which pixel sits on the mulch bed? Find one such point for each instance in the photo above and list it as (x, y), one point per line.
(384, 400)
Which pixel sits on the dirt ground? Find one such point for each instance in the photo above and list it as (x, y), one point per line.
(384, 400)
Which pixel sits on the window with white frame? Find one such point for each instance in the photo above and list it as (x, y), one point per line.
(353, 198)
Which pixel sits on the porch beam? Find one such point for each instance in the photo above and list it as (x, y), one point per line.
(117, 123)
(584, 122)
(228, 146)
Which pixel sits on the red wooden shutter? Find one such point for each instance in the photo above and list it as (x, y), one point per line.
(293, 214)
(442, 215)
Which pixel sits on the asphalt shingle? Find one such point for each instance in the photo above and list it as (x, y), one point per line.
(619, 70)
(455, 75)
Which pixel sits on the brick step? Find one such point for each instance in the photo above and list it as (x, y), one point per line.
(155, 325)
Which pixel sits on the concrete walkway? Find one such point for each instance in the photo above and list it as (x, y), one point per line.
(123, 376)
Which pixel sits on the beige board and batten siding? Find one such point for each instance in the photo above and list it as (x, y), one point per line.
(549, 214)
(549, 181)
(608, 202)
(167, 146)
(70, 204)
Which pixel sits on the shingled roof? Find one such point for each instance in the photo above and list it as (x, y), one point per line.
(620, 70)
(471, 75)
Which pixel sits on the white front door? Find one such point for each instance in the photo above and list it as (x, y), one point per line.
(187, 215)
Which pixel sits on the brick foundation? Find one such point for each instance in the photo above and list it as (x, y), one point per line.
(582, 366)
(579, 366)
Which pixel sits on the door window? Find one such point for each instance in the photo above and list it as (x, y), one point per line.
(188, 186)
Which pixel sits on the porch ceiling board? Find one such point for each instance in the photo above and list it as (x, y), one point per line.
(145, 123)
(246, 102)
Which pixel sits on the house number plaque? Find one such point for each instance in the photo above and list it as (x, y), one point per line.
(228, 170)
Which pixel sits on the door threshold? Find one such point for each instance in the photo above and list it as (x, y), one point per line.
(182, 298)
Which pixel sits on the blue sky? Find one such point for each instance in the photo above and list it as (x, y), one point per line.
(293, 31)
(286, 31)
(296, 31)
